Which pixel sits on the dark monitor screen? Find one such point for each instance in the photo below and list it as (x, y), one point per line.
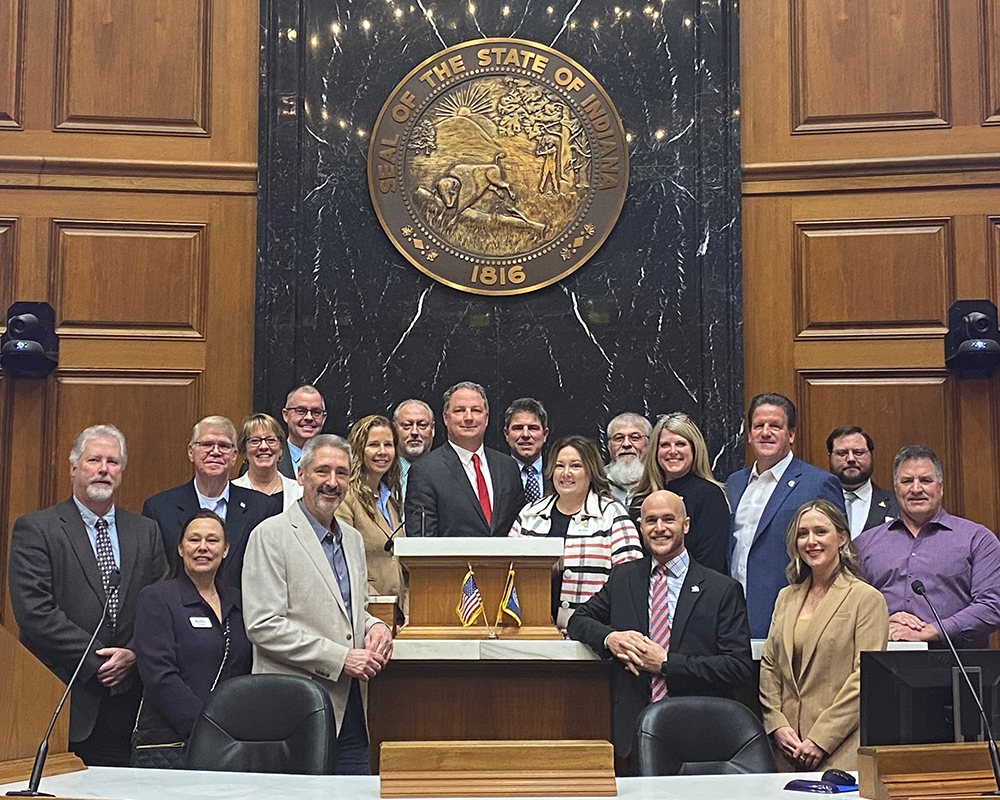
(914, 696)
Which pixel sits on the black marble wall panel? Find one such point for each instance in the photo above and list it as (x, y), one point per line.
(651, 323)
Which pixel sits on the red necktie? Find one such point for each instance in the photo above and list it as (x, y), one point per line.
(659, 623)
(482, 491)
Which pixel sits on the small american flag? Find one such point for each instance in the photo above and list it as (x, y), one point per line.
(472, 603)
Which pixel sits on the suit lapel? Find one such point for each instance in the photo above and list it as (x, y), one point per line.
(689, 595)
(781, 491)
(799, 592)
(76, 532)
(828, 606)
(458, 473)
(303, 530)
(127, 549)
(639, 589)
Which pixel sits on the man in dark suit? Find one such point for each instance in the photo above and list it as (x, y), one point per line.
(526, 427)
(764, 497)
(463, 488)
(676, 627)
(851, 460)
(63, 560)
(212, 450)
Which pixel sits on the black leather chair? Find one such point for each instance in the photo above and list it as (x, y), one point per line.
(265, 723)
(701, 736)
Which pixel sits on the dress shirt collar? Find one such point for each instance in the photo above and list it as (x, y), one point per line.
(537, 464)
(940, 520)
(776, 471)
(90, 518)
(465, 456)
(211, 502)
(677, 567)
(317, 526)
(864, 492)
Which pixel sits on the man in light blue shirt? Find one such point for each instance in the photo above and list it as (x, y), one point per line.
(304, 414)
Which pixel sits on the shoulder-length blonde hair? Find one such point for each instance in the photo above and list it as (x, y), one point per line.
(681, 424)
(358, 486)
(797, 571)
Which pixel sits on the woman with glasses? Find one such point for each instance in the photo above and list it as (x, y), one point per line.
(374, 505)
(260, 444)
(677, 459)
(579, 508)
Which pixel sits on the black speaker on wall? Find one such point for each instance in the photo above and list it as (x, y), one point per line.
(29, 347)
(972, 344)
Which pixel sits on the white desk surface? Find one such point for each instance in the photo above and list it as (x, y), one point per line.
(153, 784)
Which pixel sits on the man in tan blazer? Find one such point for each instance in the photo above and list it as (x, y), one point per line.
(305, 586)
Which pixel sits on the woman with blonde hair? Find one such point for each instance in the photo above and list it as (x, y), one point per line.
(677, 460)
(810, 670)
(260, 443)
(374, 505)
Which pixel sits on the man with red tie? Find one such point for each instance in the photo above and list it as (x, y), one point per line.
(675, 627)
(463, 488)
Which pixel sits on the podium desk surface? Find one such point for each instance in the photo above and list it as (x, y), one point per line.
(478, 546)
(155, 784)
(491, 650)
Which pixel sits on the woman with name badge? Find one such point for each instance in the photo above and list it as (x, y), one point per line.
(374, 505)
(580, 509)
(810, 670)
(189, 637)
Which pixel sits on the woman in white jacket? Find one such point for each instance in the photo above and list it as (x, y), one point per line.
(580, 509)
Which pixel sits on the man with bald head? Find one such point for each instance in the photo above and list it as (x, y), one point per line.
(675, 627)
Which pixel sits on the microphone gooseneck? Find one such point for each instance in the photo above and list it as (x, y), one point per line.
(918, 588)
(391, 537)
(110, 588)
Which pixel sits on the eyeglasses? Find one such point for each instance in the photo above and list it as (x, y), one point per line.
(855, 453)
(256, 441)
(300, 412)
(635, 438)
(207, 447)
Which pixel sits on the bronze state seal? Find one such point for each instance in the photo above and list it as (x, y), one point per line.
(498, 166)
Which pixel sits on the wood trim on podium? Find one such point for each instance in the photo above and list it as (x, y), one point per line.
(924, 771)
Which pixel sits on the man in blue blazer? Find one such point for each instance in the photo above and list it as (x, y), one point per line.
(763, 498)
(212, 451)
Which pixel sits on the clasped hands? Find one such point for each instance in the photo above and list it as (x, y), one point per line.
(367, 662)
(803, 752)
(905, 627)
(636, 651)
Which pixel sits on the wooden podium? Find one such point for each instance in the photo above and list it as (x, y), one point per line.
(924, 771)
(437, 571)
(28, 696)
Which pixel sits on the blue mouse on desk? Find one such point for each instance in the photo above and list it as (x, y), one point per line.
(834, 781)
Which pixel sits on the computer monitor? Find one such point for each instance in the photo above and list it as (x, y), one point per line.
(920, 696)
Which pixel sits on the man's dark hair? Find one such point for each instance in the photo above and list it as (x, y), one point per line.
(772, 399)
(916, 452)
(528, 405)
(848, 430)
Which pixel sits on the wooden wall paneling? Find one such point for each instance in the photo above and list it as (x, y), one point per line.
(139, 66)
(860, 66)
(989, 39)
(896, 407)
(154, 411)
(145, 277)
(856, 276)
(11, 72)
(8, 259)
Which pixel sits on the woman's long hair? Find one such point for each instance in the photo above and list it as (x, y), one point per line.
(358, 487)
(652, 479)
(797, 571)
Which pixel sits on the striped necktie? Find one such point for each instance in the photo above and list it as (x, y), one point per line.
(659, 622)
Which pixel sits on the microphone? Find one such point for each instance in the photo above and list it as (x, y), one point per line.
(390, 537)
(110, 588)
(918, 588)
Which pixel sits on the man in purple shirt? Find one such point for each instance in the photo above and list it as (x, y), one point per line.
(958, 560)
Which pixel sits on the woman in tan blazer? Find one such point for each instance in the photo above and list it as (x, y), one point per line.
(374, 505)
(810, 671)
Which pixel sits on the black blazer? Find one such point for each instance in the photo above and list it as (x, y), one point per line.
(245, 511)
(709, 650)
(884, 504)
(177, 661)
(439, 493)
(57, 596)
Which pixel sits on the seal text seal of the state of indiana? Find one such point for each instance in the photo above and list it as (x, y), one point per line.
(498, 166)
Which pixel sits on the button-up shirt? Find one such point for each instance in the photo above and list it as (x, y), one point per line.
(858, 510)
(218, 504)
(677, 570)
(749, 511)
(90, 523)
(465, 456)
(958, 562)
(332, 542)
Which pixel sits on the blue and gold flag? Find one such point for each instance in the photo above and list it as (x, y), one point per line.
(509, 604)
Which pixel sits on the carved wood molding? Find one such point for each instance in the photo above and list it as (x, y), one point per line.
(121, 167)
(863, 167)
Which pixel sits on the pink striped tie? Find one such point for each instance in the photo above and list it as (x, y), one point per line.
(659, 623)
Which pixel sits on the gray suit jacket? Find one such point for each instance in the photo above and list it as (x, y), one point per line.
(294, 613)
(57, 596)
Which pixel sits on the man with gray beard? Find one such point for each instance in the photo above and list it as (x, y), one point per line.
(628, 435)
(414, 424)
(64, 562)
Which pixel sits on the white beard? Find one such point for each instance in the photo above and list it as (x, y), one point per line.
(100, 492)
(626, 471)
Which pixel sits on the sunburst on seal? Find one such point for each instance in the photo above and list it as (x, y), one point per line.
(465, 102)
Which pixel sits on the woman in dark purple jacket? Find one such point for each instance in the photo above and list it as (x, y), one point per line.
(189, 636)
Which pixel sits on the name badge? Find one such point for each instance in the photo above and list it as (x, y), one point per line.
(200, 622)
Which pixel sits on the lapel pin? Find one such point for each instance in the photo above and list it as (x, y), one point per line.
(695, 588)
(791, 483)
(243, 505)
(882, 504)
